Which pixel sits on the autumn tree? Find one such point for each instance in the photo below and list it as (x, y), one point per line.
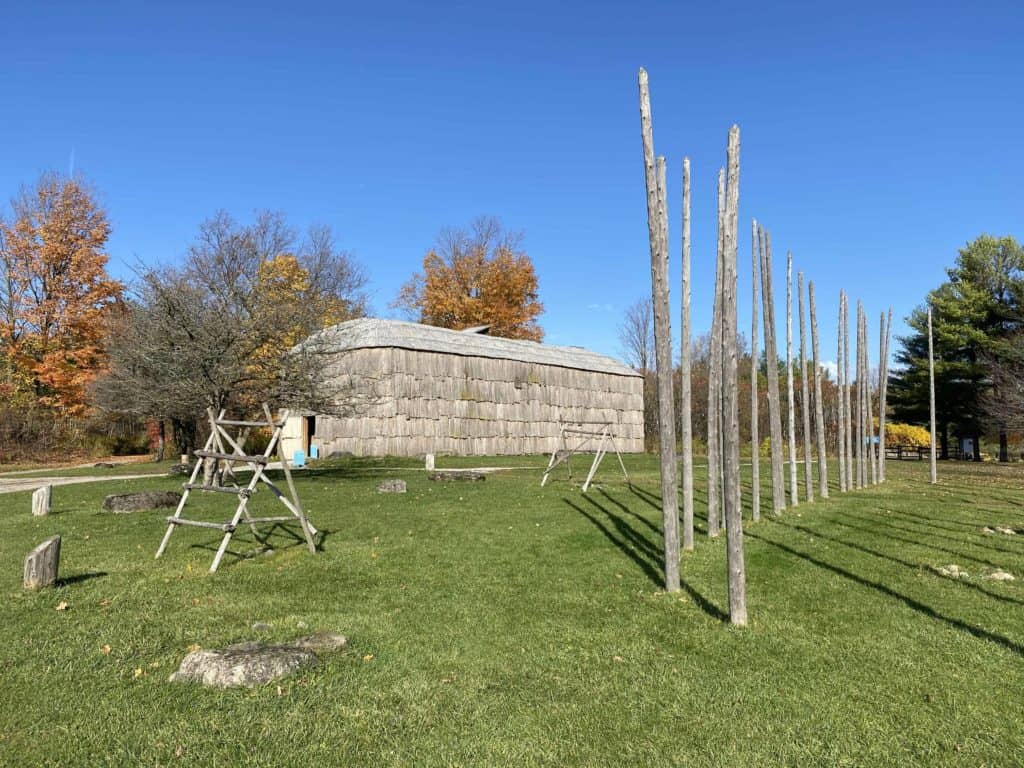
(54, 293)
(636, 336)
(476, 276)
(217, 331)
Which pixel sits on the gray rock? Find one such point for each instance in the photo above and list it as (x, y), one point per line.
(391, 486)
(245, 664)
(254, 663)
(104, 465)
(180, 469)
(133, 502)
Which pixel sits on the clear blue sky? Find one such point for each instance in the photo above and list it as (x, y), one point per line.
(877, 139)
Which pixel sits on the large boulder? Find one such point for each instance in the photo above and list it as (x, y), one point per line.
(391, 486)
(254, 663)
(444, 475)
(133, 502)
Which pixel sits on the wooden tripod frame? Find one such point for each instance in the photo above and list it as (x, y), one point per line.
(216, 451)
(600, 433)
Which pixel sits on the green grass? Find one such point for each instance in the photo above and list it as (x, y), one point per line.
(506, 624)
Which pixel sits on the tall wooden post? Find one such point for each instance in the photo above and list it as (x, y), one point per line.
(931, 400)
(772, 366)
(715, 377)
(685, 421)
(872, 460)
(883, 388)
(755, 440)
(657, 229)
(847, 413)
(819, 411)
(805, 400)
(859, 444)
(730, 399)
(840, 385)
(790, 399)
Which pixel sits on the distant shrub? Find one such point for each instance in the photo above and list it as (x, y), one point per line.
(907, 435)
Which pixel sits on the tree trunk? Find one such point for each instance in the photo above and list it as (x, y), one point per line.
(790, 399)
(931, 400)
(1004, 453)
(731, 442)
(805, 400)
(715, 378)
(944, 455)
(161, 440)
(755, 440)
(657, 229)
(819, 412)
(685, 423)
(840, 385)
(772, 369)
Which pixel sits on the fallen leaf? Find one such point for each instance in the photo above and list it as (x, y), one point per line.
(139, 672)
(194, 647)
(104, 602)
(618, 658)
(368, 657)
(105, 650)
(154, 664)
(63, 605)
(179, 751)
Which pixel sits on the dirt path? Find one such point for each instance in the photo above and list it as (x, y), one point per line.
(14, 484)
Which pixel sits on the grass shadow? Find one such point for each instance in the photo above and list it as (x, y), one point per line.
(908, 601)
(78, 578)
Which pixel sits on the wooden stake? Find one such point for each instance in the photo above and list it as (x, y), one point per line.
(772, 365)
(657, 228)
(715, 378)
(685, 422)
(790, 400)
(872, 460)
(840, 384)
(755, 441)
(731, 420)
(848, 448)
(819, 416)
(931, 400)
(859, 444)
(805, 400)
(883, 388)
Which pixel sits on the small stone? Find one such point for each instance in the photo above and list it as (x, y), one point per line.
(987, 530)
(301, 624)
(1006, 531)
(42, 564)
(104, 465)
(953, 572)
(261, 626)
(1000, 576)
(322, 642)
(179, 469)
(391, 486)
(122, 503)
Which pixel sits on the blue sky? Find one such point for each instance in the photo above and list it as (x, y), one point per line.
(877, 139)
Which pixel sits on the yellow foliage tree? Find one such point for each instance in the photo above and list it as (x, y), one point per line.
(476, 277)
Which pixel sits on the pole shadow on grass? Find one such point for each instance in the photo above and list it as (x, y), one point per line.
(78, 578)
(910, 602)
(645, 553)
(263, 541)
(897, 560)
(984, 541)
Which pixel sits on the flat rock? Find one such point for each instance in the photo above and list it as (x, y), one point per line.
(457, 474)
(254, 663)
(1000, 576)
(953, 572)
(133, 502)
(391, 486)
(179, 469)
(244, 664)
(104, 465)
(1006, 531)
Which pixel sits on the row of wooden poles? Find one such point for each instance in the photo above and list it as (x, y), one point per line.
(861, 458)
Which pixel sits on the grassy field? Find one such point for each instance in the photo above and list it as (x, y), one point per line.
(499, 623)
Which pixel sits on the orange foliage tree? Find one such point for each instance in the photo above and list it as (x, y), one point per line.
(56, 293)
(478, 276)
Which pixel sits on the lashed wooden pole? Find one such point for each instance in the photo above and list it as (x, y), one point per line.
(657, 229)
(730, 396)
(840, 384)
(819, 411)
(772, 366)
(883, 385)
(790, 399)
(685, 421)
(805, 400)
(755, 441)
(934, 476)
(715, 378)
